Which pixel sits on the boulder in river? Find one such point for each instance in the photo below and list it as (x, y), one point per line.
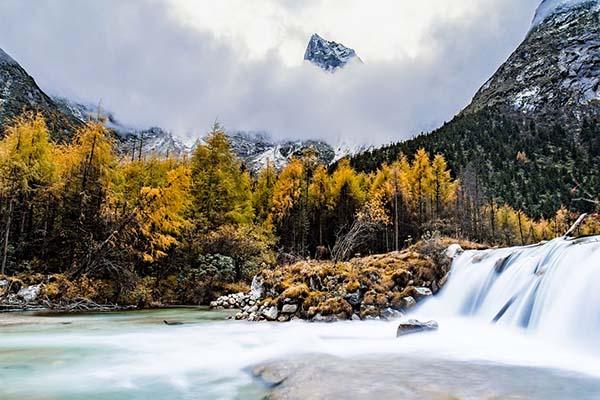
(414, 326)
(454, 250)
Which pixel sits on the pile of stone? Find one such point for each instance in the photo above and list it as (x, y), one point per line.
(264, 312)
(234, 301)
(290, 311)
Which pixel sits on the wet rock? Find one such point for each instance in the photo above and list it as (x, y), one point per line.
(30, 293)
(355, 317)
(454, 250)
(289, 308)
(390, 313)
(270, 313)
(420, 292)
(408, 302)
(270, 377)
(443, 281)
(413, 326)
(323, 318)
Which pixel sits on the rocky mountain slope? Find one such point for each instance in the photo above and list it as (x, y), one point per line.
(19, 92)
(131, 141)
(257, 149)
(531, 135)
(554, 75)
(329, 55)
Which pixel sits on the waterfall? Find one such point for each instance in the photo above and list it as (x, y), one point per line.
(551, 289)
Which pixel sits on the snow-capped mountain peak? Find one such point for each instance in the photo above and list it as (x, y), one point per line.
(550, 7)
(328, 55)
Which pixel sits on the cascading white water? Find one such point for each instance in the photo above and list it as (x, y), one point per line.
(551, 289)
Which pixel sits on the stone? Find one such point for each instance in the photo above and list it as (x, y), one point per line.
(390, 313)
(353, 298)
(231, 301)
(454, 250)
(283, 318)
(252, 309)
(256, 289)
(289, 308)
(323, 318)
(270, 313)
(355, 317)
(30, 293)
(443, 281)
(414, 326)
(420, 292)
(408, 302)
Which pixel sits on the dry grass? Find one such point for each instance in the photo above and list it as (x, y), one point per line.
(325, 287)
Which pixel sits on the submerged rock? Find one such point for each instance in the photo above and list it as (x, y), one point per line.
(414, 326)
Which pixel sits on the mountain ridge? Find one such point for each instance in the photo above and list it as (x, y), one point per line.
(530, 137)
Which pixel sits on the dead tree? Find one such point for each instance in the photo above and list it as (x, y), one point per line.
(370, 219)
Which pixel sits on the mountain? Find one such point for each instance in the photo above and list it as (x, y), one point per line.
(329, 55)
(153, 140)
(531, 135)
(257, 149)
(19, 92)
(554, 75)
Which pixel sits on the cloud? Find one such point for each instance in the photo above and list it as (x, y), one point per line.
(152, 66)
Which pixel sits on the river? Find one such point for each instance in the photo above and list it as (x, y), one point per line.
(134, 355)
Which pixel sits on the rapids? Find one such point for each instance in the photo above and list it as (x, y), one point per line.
(515, 323)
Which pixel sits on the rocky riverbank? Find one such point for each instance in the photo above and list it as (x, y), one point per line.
(375, 287)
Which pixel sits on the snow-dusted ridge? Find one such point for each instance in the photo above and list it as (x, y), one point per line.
(5, 58)
(329, 55)
(550, 7)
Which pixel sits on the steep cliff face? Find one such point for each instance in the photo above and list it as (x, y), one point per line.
(554, 75)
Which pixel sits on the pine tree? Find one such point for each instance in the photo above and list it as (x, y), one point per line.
(220, 190)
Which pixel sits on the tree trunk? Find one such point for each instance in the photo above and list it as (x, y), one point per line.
(6, 236)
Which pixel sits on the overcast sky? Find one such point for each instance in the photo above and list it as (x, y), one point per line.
(182, 64)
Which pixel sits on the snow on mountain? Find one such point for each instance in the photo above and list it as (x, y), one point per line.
(257, 149)
(153, 140)
(553, 77)
(329, 55)
(550, 7)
